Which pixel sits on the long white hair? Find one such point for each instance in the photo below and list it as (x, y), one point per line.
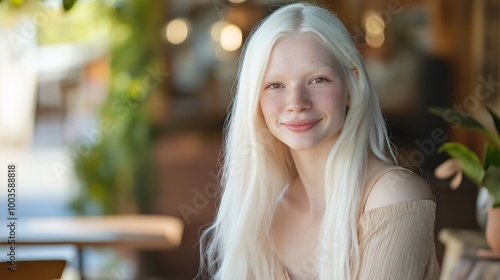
(257, 166)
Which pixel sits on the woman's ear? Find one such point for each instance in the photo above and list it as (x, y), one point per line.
(355, 72)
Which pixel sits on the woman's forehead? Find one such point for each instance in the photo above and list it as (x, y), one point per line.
(303, 50)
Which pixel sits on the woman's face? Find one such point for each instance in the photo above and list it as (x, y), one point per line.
(303, 96)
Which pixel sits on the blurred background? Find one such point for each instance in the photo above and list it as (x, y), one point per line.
(117, 106)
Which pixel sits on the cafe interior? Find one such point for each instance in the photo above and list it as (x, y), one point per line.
(112, 116)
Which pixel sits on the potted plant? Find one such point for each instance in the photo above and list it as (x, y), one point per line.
(485, 174)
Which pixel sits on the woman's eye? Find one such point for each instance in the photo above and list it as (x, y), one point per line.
(318, 80)
(274, 86)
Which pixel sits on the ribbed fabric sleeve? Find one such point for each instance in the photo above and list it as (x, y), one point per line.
(397, 242)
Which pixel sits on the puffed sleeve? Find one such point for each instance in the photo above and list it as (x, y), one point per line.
(397, 242)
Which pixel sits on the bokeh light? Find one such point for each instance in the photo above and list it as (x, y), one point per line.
(231, 37)
(374, 27)
(177, 31)
(216, 30)
(374, 24)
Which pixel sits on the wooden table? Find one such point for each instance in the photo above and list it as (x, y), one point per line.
(119, 231)
(467, 256)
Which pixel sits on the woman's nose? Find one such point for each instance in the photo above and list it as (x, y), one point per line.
(298, 100)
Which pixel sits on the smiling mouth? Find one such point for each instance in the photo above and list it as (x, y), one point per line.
(300, 125)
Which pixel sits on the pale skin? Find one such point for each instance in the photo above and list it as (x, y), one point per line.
(304, 102)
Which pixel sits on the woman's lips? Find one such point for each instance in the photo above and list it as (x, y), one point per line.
(300, 125)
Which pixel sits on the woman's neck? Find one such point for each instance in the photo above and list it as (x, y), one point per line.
(310, 166)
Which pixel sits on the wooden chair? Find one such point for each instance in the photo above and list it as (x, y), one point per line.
(35, 269)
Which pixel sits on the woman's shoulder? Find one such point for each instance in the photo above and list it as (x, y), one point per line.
(389, 184)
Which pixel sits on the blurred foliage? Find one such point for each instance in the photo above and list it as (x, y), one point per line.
(89, 22)
(116, 175)
(76, 26)
(66, 4)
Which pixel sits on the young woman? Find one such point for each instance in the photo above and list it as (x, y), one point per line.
(310, 189)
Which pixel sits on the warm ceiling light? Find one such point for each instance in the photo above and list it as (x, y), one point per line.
(231, 37)
(374, 27)
(374, 24)
(177, 31)
(237, 1)
(216, 30)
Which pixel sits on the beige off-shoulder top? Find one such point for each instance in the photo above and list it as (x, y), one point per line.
(396, 241)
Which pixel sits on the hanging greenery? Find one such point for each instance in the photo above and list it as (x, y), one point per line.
(116, 175)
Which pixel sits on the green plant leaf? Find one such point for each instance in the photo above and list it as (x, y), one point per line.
(491, 181)
(496, 119)
(460, 119)
(470, 163)
(495, 140)
(457, 118)
(68, 4)
(492, 156)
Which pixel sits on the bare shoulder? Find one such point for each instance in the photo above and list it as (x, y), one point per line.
(397, 186)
